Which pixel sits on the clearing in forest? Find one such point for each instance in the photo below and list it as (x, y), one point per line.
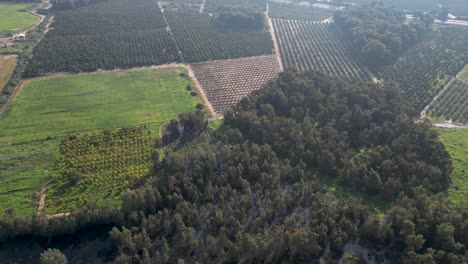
(53, 106)
(7, 65)
(456, 142)
(24, 170)
(309, 45)
(226, 82)
(463, 74)
(14, 18)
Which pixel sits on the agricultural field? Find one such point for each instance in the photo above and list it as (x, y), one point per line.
(184, 5)
(456, 142)
(200, 39)
(97, 167)
(14, 18)
(53, 106)
(226, 82)
(317, 46)
(298, 12)
(7, 65)
(452, 103)
(214, 5)
(457, 7)
(24, 170)
(423, 71)
(106, 35)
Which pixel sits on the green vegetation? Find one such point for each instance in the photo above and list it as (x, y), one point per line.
(95, 168)
(457, 7)
(24, 170)
(13, 17)
(57, 105)
(424, 70)
(463, 74)
(7, 65)
(299, 12)
(451, 103)
(200, 38)
(456, 142)
(106, 35)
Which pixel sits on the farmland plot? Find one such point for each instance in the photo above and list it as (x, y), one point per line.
(423, 71)
(201, 40)
(226, 82)
(452, 103)
(97, 167)
(106, 35)
(317, 46)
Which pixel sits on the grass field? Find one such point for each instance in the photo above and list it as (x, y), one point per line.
(24, 168)
(463, 74)
(53, 106)
(456, 142)
(7, 65)
(11, 19)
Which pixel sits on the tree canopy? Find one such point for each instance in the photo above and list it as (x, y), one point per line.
(381, 34)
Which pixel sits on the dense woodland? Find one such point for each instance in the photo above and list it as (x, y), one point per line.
(248, 193)
(381, 34)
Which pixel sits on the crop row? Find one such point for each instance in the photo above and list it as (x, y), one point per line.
(226, 82)
(452, 103)
(200, 39)
(424, 70)
(107, 35)
(106, 51)
(113, 154)
(317, 46)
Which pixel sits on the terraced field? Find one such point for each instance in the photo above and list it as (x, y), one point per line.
(317, 46)
(226, 82)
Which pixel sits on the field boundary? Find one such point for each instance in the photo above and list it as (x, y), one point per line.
(271, 29)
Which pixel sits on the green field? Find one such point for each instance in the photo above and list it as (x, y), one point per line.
(12, 19)
(463, 74)
(24, 169)
(456, 142)
(7, 65)
(54, 106)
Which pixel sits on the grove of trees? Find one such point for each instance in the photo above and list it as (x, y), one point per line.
(247, 193)
(380, 33)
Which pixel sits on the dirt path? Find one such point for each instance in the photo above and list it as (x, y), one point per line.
(202, 7)
(202, 93)
(59, 215)
(424, 111)
(42, 200)
(168, 29)
(271, 29)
